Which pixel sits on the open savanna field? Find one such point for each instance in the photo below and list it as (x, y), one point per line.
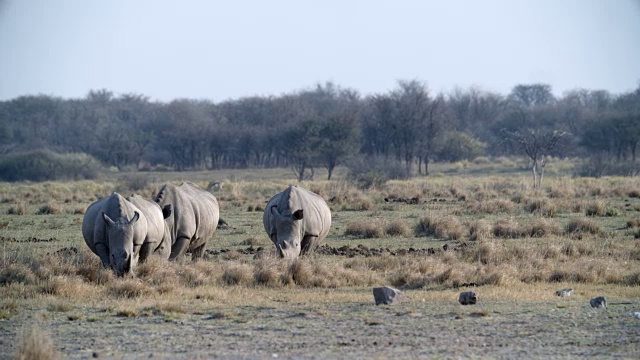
(474, 228)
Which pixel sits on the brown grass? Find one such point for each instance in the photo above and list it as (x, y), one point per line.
(596, 208)
(365, 229)
(479, 230)
(17, 209)
(36, 344)
(237, 274)
(541, 206)
(447, 227)
(50, 208)
(508, 229)
(578, 226)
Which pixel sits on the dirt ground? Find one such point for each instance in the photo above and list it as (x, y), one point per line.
(567, 328)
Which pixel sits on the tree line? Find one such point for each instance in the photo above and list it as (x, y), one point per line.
(327, 125)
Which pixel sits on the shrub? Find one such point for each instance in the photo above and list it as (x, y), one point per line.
(373, 172)
(43, 165)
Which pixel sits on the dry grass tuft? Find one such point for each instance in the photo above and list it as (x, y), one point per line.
(492, 206)
(128, 288)
(36, 345)
(237, 274)
(479, 230)
(508, 229)
(50, 208)
(266, 272)
(541, 206)
(17, 273)
(397, 227)
(541, 227)
(579, 226)
(17, 209)
(596, 208)
(365, 229)
(448, 227)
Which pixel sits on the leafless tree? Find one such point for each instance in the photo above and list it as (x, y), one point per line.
(537, 145)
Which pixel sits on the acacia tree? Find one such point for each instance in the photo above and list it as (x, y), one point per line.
(537, 144)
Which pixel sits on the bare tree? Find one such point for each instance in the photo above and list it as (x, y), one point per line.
(537, 145)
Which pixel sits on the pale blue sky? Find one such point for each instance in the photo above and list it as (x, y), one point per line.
(219, 50)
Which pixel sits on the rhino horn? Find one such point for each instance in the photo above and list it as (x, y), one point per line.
(135, 217)
(107, 219)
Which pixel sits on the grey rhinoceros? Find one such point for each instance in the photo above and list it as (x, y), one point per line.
(156, 227)
(122, 232)
(296, 220)
(193, 219)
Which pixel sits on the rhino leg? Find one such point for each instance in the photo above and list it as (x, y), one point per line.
(103, 253)
(197, 253)
(179, 248)
(145, 250)
(307, 243)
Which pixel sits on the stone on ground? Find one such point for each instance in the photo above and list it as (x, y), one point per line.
(468, 298)
(599, 302)
(387, 295)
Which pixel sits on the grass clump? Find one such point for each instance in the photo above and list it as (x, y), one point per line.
(237, 274)
(583, 226)
(17, 209)
(447, 227)
(508, 229)
(365, 229)
(50, 208)
(36, 345)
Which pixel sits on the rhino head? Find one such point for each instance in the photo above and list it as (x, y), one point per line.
(289, 233)
(123, 252)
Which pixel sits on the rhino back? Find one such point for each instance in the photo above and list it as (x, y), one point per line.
(153, 215)
(194, 214)
(90, 221)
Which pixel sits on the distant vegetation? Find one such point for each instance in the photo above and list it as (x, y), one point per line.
(402, 131)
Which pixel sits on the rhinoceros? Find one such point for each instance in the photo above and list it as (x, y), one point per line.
(193, 219)
(121, 233)
(296, 220)
(158, 241)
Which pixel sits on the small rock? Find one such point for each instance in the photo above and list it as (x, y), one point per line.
(564, 292)
(636, 314)
(468, 298)
(387, 295)
(599, 302)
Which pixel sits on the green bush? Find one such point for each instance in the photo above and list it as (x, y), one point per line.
(43, 165)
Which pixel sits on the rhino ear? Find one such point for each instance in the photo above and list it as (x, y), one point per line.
(298, 214)
(166, 211)
(136, 216)
(274, 210)
(107, 220)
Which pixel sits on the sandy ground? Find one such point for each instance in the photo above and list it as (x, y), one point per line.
(440, 329)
